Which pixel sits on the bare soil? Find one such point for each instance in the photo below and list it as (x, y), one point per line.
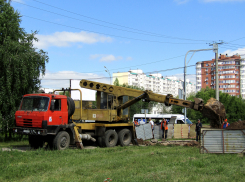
(237, 125)
(215, 111)
(189, 143)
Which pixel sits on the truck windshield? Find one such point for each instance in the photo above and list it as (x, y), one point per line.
(34, 103)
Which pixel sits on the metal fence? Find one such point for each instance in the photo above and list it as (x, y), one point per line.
(222, 141)
(144, 131)
(174, 131)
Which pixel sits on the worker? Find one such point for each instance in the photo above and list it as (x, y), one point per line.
(152, 127)
(164, 128)
(225, 124)
(136, 123)
(142, 121)
(198, 130)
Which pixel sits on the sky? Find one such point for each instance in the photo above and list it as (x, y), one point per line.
(84, 38)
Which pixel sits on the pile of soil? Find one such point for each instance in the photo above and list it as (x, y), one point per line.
(215, 112)
(237, 125)
(141, 141)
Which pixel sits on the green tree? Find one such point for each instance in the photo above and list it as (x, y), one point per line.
(20, 64)
(234, 106)
(66, 93)
(116, 82)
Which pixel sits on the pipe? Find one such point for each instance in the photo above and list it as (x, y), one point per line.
(87, 137)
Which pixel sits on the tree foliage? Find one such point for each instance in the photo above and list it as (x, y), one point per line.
(20, 63)
(234, 106)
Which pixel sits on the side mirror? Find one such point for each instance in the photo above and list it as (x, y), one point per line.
(52, 105)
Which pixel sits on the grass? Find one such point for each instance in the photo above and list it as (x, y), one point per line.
(132, 163)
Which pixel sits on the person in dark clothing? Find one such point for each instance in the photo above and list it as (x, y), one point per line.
(198, 130)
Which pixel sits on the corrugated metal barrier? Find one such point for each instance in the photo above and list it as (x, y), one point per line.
(222, 141)
(144, 131)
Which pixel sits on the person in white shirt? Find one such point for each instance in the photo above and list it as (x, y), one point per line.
(142, 121)
(152, 126)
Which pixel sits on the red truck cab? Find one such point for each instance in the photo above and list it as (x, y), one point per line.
(42, 111)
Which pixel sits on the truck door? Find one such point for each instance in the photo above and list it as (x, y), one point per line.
(56, 118)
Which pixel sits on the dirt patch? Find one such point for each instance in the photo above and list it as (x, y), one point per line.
(215, 111)
(141, 141)
(189, 143)
(237, 125)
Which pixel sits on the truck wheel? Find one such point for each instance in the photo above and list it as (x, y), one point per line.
(124, 137)
(61, 140)
(110, 139)
(71, 106)
(36, 141)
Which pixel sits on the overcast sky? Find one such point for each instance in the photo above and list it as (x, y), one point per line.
(83, 36)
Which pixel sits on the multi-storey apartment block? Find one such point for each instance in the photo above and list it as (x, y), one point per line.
(154, 82)
(231, 72)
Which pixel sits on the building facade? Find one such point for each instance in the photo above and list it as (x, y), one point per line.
(154, 82)
(231, 72)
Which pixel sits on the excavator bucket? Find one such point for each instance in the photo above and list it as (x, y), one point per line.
(215, 111)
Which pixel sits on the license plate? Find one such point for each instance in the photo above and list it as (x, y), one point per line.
(26, 131)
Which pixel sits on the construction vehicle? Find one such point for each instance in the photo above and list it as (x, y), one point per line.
(59, 120)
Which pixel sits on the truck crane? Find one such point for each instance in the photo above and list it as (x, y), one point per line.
(59, 120)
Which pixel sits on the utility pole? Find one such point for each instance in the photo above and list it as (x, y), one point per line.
(215, 48)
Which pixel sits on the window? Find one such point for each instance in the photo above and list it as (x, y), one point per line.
(57, 104)
(34, 103)
(206, 73)
(206, 64)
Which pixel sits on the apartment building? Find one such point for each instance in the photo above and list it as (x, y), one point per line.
(231, 72)
(154, 82)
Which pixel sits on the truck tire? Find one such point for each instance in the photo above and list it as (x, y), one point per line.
(36, 141)
(110, 139)
(61, 140)
(124, 137)
(71, 106)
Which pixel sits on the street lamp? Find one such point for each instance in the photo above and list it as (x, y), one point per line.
(184, 86)
(108, 73)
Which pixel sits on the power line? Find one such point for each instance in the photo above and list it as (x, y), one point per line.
(134, 66)
(102, 25)
(236, 44)
(237, 39)
(159, 71)
(107, 34)
(150, 33)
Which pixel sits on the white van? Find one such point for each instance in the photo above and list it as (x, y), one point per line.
(176, 118)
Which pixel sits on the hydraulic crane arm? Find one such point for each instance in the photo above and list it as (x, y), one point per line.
(139, 94)
(214, 110)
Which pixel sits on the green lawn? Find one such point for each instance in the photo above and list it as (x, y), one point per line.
(132, 163)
